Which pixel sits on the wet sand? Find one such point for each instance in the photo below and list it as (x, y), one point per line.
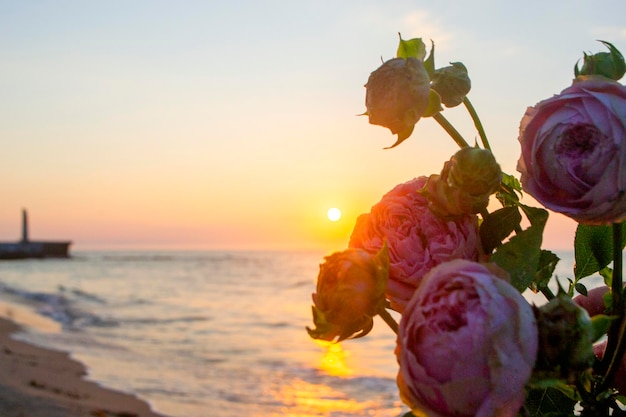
(37, 382)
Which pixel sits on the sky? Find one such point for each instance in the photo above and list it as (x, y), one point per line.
(234, 124)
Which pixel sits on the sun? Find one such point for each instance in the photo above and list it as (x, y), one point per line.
(333, 214)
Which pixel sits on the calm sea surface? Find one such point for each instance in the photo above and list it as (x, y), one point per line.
(205, 333)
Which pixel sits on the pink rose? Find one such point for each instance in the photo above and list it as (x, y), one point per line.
(573, 158)
(417, 238)
(467, 343)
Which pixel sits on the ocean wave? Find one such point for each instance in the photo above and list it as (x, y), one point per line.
(60, 307)
(167, 320)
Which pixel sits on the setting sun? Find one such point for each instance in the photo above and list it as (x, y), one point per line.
(334, 214)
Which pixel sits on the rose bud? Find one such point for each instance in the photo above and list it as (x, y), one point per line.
(573, 152)
(466, 344)
(350, 292)
(452, 84)
(565, 337)
(397, 94)
(607, 64)
(465, 184)
(417, 238)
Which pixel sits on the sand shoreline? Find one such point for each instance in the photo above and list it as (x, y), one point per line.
(38, 382)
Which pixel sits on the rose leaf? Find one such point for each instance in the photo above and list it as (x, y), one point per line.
(548, 402)
(521, 254)
(497, 226)
(593, 248)
(413, 48)
(545, 269)
(402, 136)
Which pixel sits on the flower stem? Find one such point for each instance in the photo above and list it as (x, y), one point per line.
(616, 344)
(479, 126)
(447, 126)
(391, 322)
(547, 292)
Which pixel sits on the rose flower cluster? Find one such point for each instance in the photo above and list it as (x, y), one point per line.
(468, 342)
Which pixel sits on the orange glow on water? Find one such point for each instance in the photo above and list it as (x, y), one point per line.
(305, 399)
(333, 361)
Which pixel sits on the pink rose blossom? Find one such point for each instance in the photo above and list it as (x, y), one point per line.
(573, 157)
(467, 343)
(417, 238)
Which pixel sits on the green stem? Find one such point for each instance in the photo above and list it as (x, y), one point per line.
(547, 292)
(484, 213)
(391, 322)
(616, 343)
(479, 126)
(447, 126)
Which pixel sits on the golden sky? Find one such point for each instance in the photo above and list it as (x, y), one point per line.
(232, 125)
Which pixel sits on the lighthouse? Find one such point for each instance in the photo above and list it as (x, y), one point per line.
(24, 226)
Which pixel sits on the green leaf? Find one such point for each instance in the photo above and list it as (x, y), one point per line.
(521, 254)
(618, 60)
(549, 402)
(520, 257)
(607, 64)
(402, 136)
(434, 104)
(537, 216)
(508, 194)
(413, 48)
(511, 182)
(429, 64)
(593, 248)
(545, 269)
(600, 324)
(558, 384)
(581, 288)
(497, 226)
(607, 275)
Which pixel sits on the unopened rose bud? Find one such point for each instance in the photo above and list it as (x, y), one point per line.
(476, 170)
(465, 184)
(452, 84)
(350, 292)
(607, 64)
(565, 337)
(397, 94)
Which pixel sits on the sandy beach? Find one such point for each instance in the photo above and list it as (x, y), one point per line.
(36, 382)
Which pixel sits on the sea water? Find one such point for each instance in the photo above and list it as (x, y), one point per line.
(208, 333)
(204, 333)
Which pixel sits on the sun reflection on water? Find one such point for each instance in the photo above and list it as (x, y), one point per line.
(334, 389)
(333, 361)
(305, 399)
